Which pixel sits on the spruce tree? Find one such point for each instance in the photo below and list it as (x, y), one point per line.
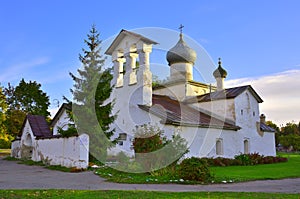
(91, 109)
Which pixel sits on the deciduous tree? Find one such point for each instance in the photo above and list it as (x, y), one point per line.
(5, 138)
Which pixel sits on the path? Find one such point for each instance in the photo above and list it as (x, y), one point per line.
(19, 176)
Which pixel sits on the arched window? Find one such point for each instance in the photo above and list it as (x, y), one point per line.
(219, 147)
(246, 146)
(248, 102)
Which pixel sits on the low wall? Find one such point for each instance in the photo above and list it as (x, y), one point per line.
(15, 149)
(68, 152)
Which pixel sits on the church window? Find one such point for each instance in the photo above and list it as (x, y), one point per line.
(122, 136)
(219, 147)
(246, 146)
(248, 102)
(242, 111)
(253, 113)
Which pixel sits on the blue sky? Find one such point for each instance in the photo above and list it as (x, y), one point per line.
(258, 41)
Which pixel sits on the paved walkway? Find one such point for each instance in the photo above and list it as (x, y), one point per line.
(19, 176)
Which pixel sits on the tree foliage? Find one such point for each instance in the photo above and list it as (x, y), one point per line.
(154, 151)
(30, 98)
(91, 91)
(287, 136)
(25, 98)
(5, 138)
(290, 128)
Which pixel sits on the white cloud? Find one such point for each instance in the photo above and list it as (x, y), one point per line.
(16, 71)
(53, 111)
(280, 93)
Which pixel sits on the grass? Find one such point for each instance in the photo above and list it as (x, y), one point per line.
(77, 194)
(288, 169)
(4, 152)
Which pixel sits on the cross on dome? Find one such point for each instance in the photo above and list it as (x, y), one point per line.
(180, 28)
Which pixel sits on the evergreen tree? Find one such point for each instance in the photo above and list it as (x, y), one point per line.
(91, 110)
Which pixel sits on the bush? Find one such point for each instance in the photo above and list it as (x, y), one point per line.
(154, 151)
(244, 159)
(195, 169)
(255, 158)
(71, 131)
(5, 144)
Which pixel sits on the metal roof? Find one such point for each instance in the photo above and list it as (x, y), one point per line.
(173, 112)
(224, 94)
(266, 128)
(60, 111)
(38, 124)
(121, 36)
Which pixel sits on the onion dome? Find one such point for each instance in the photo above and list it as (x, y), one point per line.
(181, 53)
(220, 72)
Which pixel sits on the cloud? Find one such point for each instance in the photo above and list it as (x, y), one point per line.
(53, 111)
(16, 71)
(280, 92)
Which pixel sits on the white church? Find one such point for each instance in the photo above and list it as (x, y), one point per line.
(215, 121)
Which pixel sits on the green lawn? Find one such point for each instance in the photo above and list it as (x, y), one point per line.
(13, 194)
(288, 169)
(4, 152)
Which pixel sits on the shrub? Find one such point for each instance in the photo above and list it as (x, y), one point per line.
(255, 158)
(195, 169)
(71, 131)
(5, 144)
(122, 158)
(153, 150)
(244, 159)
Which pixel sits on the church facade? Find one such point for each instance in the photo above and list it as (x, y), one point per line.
(215, 121)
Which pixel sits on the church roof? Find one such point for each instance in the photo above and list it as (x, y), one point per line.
(38, 124)
(60, 111)
(175, 113)
(220, 72)
(228, 93)
(266, 128)
(181, 53)
(121, 36)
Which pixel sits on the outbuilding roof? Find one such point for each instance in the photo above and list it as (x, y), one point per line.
(38, 124)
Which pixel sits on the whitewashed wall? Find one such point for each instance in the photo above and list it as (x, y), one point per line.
(247, 117)
(68, 152)
(15, 149)
(62, 122)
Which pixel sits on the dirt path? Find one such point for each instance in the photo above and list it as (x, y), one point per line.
(19, 176)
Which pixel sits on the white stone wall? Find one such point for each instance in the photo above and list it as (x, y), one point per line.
(247, 117)
(202, 141)
(222, 108)
(126, 124)
(15, 149)
(177, 91)
(193, 90)
(68, 152)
